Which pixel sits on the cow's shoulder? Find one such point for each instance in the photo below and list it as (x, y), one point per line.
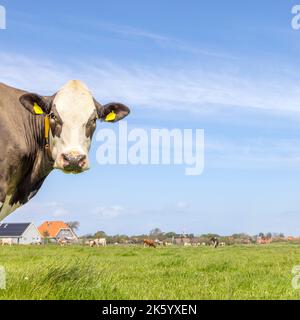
(10, 105)
(6, 89)
(13, 120)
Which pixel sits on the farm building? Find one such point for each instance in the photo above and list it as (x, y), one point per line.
(20, 233)
(56, 230)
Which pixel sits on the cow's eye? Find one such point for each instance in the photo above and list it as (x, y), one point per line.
(93, 121)
(52, 116)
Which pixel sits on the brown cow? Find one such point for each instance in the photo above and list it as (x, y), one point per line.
(62, 242)
(149, 243)
(263, 240)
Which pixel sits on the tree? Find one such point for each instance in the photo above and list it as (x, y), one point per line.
(240, 236)
(100, 234)
(171, 234)
(155, 232)
(86, 236)
(269, 235)
(74, 225)
(209, 235)
(46, 234)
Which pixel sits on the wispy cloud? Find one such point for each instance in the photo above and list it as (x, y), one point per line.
(181, 205)
(54, 209)
(128, 30)
(253, 153)
(185, 89)
(103, 29)
(39, 211)
(161, 40)
(109, 211)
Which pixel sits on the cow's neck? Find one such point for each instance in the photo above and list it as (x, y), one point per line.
(36, 166)
(42, 164)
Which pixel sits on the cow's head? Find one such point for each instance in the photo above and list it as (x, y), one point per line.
(73, 113)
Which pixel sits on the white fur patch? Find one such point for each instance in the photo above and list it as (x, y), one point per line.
(75, 105)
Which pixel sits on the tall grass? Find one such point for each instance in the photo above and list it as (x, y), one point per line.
(248, 272)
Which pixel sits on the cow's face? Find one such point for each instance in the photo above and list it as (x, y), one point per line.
(73, 113)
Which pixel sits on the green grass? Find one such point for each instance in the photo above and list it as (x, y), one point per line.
(233, 272)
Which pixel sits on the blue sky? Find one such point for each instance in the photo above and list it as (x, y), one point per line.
(230, 68)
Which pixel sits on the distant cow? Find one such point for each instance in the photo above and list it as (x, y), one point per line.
(158, 242)
(263, 240)
(214, 241)
(149, 243)
(7, 241)
(91, 243)
(42, 133)
(98, 242)
(62, 242)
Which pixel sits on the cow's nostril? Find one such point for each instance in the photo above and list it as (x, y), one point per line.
(66, 157)
(81, 158)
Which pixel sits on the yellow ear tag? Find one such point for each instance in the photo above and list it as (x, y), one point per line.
(37, 109)
(111, 116)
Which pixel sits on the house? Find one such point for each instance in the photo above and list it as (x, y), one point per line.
(20, 233)
(56, 230)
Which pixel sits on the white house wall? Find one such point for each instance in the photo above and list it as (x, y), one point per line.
(31, 235)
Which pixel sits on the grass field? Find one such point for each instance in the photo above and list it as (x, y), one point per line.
(233, 272)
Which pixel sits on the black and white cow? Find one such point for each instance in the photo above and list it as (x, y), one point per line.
(42, 133)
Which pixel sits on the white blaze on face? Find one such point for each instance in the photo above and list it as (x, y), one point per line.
(75, 105)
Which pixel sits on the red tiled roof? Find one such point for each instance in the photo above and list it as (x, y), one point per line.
(51, 228)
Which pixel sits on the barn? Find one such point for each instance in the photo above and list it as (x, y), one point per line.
(20, 233)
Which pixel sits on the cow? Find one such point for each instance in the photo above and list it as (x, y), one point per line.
(98, 242)
(158, 242)
(214, 241)
(7, 241)
(263, 240)
(91, 243)
(62, 242)
(41, 133)
(149, 243)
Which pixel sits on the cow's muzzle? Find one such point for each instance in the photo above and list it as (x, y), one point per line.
(74, 162)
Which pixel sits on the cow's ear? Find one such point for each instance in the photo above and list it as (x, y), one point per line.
(35, 103)
(112, 112)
